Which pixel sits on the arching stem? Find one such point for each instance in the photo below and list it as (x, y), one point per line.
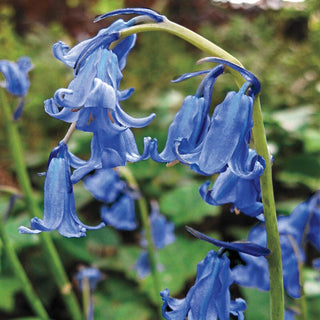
(259, 137)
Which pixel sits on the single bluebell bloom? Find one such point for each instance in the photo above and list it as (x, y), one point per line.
(226, 143)
(255, 271)
(121, 214)
(93, 275)
(16, 80)
(59, 203)
(209, 298)
(191, 122)
(243, 193)
(105, 185)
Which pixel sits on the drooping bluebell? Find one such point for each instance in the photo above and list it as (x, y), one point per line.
(191, 122)
(209, 298)
(59, 203)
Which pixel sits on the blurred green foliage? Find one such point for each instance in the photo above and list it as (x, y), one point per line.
(280, 47)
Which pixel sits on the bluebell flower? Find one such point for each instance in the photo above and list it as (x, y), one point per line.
(243, 193)
(59, 203)
(191, 122)
(162, 233)
(255, 272)
(16, 80)
(105, 185)
(209, 298)
(93, 97)
(121, 214)
(93, 275)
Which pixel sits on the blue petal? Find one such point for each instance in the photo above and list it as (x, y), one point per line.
(102, 41)
(140, 11)
(83, 168)
(189, 75)
(123, 48)
(126, 120)
(64, 114)
(240, 246)
(247, 75)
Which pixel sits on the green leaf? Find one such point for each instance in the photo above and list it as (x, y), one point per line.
(184, 205)
(117, 298)
(9, 286)
(311, 283)
(254, 298)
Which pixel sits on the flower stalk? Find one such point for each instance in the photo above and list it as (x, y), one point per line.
(54, 262)
(259, 138)
(143, 209)
(26, 285)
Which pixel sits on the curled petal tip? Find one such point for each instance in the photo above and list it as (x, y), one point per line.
(247, 247)
(140, 11)
(247, 75)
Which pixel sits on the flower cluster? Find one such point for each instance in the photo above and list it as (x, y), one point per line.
(92, 103)
(220, 143)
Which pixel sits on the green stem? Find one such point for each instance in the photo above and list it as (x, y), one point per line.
(86, 297)
(54, 262)
(259, 137)
(273, 240)
(26, 286)
(143, 209)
